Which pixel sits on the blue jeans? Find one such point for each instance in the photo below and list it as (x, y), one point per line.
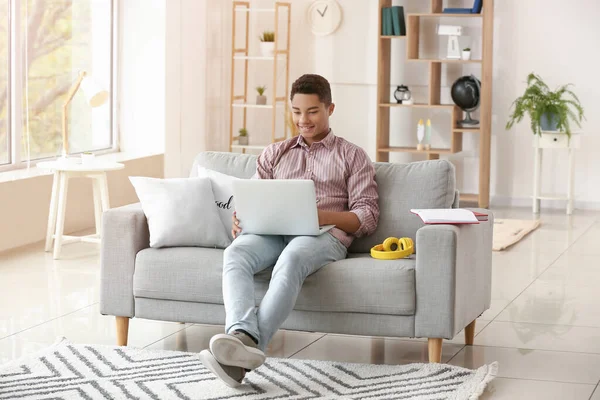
(294, 257)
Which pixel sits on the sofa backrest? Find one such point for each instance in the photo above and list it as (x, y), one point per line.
(234, 164)
(401, 187)
(424, 184)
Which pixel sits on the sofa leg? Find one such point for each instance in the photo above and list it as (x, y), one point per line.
(435, 350)
(122, 330)
(470, 333)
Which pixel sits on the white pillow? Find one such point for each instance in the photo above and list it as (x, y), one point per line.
(222, 186)
(180, 212)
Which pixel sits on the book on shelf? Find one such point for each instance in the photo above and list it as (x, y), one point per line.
(398, 23)
(392, 21)
(449, 216)
(477, 6)
(386, 21)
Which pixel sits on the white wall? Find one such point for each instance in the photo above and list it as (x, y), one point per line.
(187, 99)
(557, 44)
(141, 76)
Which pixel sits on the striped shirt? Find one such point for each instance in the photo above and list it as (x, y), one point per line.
(343, 174)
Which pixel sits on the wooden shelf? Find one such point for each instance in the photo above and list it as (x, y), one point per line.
(467, 130)
(444, 61)
(392, 36)
(419, 39)
(250, 9)
(406, 149)
(244, 105)
(257, 58)
(249, 146)
(437, 15)
(241, 35)
(418, 105)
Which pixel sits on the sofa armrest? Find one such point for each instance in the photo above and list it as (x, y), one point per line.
(453, 276)
(125, 233)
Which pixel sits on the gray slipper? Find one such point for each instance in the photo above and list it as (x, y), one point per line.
(231, 376)
(236, 349)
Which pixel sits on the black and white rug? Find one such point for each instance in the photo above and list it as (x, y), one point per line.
(73, 371)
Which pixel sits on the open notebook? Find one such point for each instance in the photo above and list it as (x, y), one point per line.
(449, 216)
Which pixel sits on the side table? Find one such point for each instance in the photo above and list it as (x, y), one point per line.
(96, 170)
(553, 140)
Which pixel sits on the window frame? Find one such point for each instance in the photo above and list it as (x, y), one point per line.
(15, 96)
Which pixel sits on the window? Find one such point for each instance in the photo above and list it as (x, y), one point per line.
(54, 41)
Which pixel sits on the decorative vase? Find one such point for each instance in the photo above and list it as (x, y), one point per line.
(243, 140)
(466, 55)
(262, 100)
(267, 49)
(402, 94)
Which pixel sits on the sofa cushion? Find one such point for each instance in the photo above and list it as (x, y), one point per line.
(222, 188)
(180, 212)
(425, 184)
(356, 284)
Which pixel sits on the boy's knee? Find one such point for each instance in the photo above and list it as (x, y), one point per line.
(237, 248)
(293, 265)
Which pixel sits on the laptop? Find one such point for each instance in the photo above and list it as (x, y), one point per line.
(277, 207)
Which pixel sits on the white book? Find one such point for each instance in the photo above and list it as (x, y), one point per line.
(446, 216)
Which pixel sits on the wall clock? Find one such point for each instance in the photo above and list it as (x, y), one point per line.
(324, 16)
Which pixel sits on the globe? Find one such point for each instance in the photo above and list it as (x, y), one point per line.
(466, 92)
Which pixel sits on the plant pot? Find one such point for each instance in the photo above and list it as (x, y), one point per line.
(243, 140)
(549, 122)
(267, 49)
(261, 100)
(466, 55)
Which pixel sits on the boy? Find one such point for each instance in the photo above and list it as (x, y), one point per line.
(347, 198)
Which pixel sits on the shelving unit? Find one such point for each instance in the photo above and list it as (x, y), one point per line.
(281, 54)
(413, 23)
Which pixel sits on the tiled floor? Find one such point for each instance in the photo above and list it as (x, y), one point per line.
(543, 326)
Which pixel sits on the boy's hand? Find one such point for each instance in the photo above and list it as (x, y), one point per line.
(235, 229)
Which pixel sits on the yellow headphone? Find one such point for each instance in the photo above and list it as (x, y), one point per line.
(393, 248)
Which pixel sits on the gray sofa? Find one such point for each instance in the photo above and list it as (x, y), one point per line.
(434, 294)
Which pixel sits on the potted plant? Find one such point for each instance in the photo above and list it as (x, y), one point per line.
(466, 53)
(267, 44)
(261, 99)
(548, 110)
(243, 137)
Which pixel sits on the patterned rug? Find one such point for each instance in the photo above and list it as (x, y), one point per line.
(72, 371)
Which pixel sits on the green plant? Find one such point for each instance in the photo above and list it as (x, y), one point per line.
(267, 36)
(261, 90)
(243, 132)
(467, 49)
(561, 105)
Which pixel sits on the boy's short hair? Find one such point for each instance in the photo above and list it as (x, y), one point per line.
(312, 84)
